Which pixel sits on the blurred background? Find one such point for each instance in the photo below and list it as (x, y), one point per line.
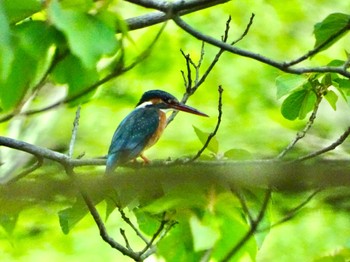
(282, 30)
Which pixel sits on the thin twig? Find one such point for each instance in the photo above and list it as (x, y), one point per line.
(97, 218)
(200, 80)
(127, 244)
(283, 66)
(74, 132)
(253, 227)
(293, 212)
(332, 146)
(211, 135)
(244, 205)
(128, 221)
(163, 222)
(39, 162)
(162, 234)
(301, 134)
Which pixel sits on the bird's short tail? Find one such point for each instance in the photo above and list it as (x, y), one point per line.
(111, 163)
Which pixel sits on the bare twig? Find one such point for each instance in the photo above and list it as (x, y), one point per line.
(127, 244)
(29, 170)
(200, 80)
(253, 227)
(163, 223)
(211, 135)
(283, 66)
(97, 218)
(302, 133)
(128, 221)
(293, 212)
(332, 146)
(167, 227)
(243, 202)
(74, 132)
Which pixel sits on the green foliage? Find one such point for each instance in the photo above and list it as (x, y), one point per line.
(70, 216)
(87, 36)
(298, 104)
(73, 44)
(329, 27)
(213, 146)
(18, 10)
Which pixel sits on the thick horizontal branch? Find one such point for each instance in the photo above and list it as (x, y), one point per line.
(47, 153)
(259, 173)
(151, 180)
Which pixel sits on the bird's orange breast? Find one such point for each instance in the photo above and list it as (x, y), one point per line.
(161, 126)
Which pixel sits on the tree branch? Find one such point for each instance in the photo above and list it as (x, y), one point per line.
(283, 66)
(253, 227)
(211, 135)
(153, 18)
(307, 127)
(332, 146)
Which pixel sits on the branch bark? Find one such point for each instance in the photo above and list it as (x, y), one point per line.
(179, 6)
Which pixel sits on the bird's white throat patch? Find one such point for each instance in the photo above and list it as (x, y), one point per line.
(148, 103)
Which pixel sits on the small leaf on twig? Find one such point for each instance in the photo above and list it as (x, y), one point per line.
(213, 145)
(332, 99)
(238, 154)
(287, 82)
(298, 104)
(331, 26)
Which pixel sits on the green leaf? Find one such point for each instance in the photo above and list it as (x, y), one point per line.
(72, 72)
(177, 245)
(6, 52)
(336, 62)
(8, 222)
(69, 217)
(183, 196)
(233, 227)
(344, 83)
(238, 154)
(15, 86)
(213, 145)
(31, 56)
(36, 37)
(331, 25)
(332, 99)
(298, 104)
(147, 223)
(19, 9)
(204, 234)
(287, 82)
(79, 5)
(88, 37)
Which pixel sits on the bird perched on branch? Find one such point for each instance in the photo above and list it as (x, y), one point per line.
(142, 128)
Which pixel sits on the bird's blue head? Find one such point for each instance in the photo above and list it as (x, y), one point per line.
(164, 100)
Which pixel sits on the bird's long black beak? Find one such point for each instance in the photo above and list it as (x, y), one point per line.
(186, 108)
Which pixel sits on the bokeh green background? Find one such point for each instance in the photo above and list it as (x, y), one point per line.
(282, 30)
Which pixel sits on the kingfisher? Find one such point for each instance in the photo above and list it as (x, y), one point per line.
(142, 128)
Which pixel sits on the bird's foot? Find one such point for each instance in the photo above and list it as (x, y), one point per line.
(145, 159)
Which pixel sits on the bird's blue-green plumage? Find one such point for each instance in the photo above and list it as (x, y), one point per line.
(132, 136)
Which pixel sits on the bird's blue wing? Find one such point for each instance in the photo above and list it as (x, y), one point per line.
(132, 136)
